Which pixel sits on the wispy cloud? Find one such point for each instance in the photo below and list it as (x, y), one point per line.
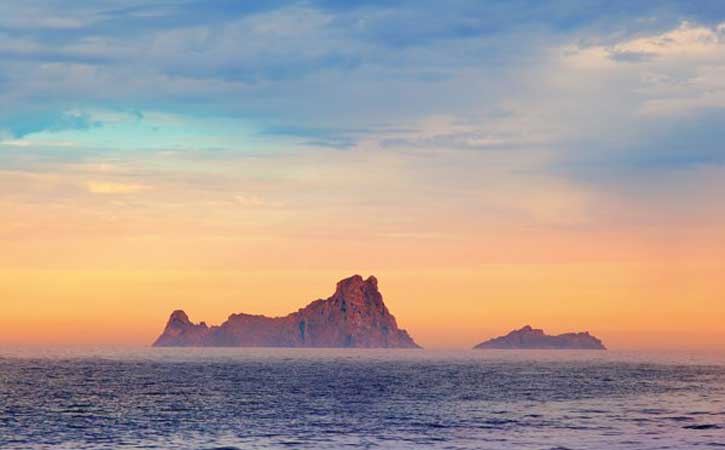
(489, 112)
(114, 188)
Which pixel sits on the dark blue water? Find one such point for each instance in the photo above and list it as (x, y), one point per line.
(244, 398)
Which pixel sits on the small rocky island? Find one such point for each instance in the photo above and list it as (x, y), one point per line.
(355, 316)
(534, 339)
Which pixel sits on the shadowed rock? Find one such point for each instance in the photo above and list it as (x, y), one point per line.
(530, 338)
(355, 316)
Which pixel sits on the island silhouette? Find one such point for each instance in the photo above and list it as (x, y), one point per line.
(354, 316)
(535, 339)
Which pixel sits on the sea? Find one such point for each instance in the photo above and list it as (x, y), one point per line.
(239, 398)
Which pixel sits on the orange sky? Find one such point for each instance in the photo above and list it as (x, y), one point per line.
(629, 304)
(83, 264)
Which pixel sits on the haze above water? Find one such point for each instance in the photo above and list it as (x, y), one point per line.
(309, 398)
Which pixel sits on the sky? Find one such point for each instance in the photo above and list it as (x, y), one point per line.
(494, 164)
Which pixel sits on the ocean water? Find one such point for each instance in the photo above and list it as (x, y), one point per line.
(336, 399)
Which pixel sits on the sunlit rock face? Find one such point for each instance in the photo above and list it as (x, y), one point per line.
(531, 338)
(355, 316)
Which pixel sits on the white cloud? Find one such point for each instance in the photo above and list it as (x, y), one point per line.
(676, 72)
(249, 200)
(688, 40)
(30, 143)
(113, 188)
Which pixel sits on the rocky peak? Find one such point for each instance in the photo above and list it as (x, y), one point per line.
(528, 330)
(180, 326)
(372, 281)
(358, 293)
(179, 319)
(355, 283)
(179, 316)
(354, 316)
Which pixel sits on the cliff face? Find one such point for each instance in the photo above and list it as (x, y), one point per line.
(530, 338)
(355, 316)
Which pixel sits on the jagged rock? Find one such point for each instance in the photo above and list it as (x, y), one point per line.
(355, 316)
(530, 338)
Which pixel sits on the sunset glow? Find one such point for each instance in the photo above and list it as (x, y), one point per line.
(564, 172)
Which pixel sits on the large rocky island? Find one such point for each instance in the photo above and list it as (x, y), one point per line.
(534, 339)
(355, 316)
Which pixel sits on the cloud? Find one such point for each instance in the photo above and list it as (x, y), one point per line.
(19, 126)
(113, 188)
(249, 200)
(687, 40)
(301, 63)
(569, 96)
(25, 143)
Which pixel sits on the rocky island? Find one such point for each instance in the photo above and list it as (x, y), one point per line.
(534, 339)
(354, 316)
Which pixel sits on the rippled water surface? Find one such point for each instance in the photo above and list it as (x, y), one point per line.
(331, 399)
